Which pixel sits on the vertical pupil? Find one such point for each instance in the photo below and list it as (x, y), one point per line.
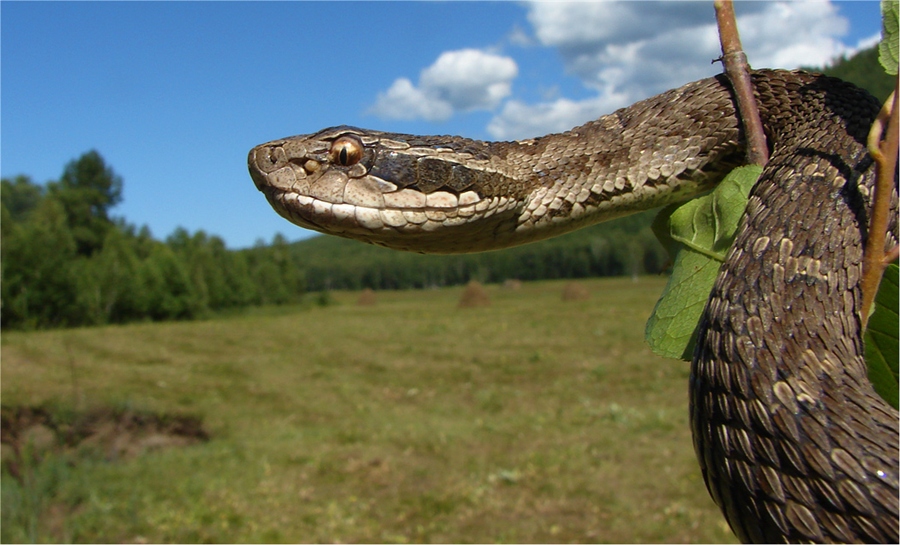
(344, 155)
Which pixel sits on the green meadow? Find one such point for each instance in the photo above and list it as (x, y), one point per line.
(533, 419)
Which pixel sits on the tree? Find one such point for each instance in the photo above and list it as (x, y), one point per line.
(111, 284)
(20, 196)
(38, 285)
(87, 190)
(170, 294)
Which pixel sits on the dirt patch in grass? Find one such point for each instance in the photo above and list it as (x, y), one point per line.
(115, 434)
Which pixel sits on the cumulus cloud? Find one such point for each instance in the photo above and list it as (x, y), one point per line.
(626, 51)
(645, 48)
(582, 26)
(518, 120)
(403, 100)
(462, 80)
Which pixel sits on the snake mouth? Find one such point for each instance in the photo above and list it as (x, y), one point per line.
(330, 200)
(260, 179)
(459, 229)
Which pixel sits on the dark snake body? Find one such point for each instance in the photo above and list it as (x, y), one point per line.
(793, 442)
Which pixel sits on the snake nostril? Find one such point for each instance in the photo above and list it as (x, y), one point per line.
(311, 166)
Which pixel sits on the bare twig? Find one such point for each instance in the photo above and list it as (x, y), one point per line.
(883, 148)
(738, 71)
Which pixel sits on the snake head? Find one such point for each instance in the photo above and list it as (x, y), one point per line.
(399, 191)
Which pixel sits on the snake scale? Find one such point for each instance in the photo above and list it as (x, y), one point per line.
(793, 442)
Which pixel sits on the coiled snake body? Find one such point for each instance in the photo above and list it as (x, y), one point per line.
(793, 442)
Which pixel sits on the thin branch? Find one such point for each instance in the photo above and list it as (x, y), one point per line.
(876, 132)
(738, 71)
(884, 152)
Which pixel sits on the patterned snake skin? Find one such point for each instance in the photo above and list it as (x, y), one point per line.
(793, 442)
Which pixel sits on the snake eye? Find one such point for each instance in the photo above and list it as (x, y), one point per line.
(346, 151)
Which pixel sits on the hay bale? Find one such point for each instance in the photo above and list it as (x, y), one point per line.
(366, 298)
(512, 284)
(573, 291)
(474, 296)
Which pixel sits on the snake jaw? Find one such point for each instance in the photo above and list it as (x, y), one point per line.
(305, 183)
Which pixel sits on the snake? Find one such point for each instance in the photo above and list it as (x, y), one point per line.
(793, 443)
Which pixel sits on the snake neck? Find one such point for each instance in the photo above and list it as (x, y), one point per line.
(793, 442)
(664, 149)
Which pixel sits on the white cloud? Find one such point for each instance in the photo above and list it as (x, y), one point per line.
(462, 80)
(518, 120)
(793, 34)
(627, 51)
(404, 101)
(470, 79)
(576, 26)
(865, 43)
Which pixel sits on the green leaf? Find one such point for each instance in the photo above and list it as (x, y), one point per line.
(888, 48)
(671, 329)
(881, 338)
(698, 234)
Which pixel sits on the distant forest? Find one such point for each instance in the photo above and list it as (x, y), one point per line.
(67, 262)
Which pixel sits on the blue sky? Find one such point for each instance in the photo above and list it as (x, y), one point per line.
(173, 95)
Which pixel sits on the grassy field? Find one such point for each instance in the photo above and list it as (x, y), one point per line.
(532, 420)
